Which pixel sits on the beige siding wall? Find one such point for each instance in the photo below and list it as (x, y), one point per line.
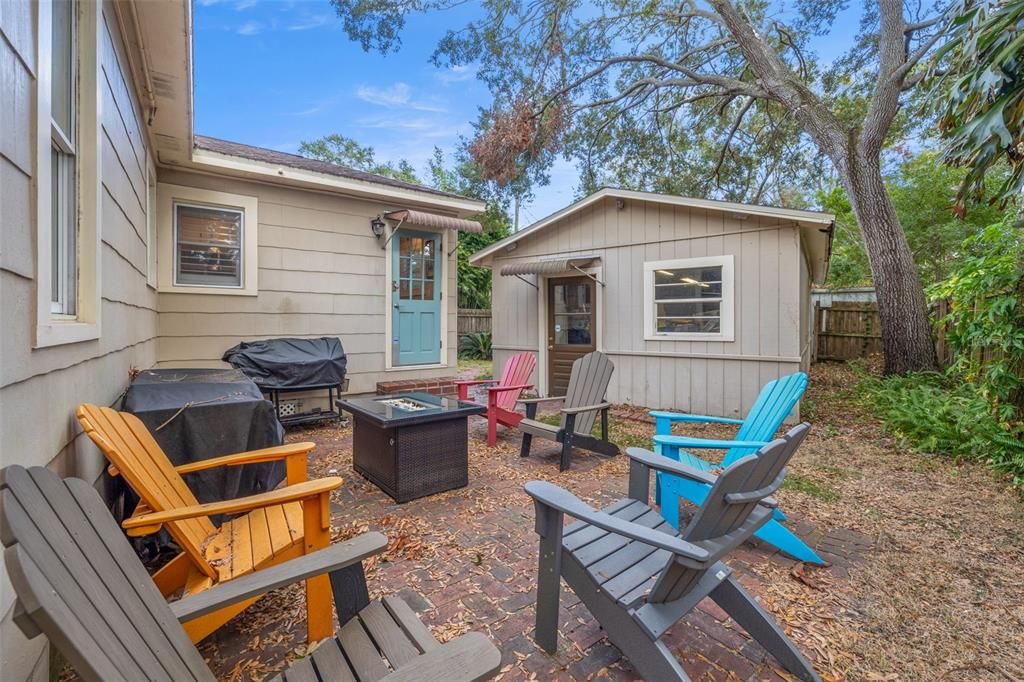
(40, 388)
(719, 378)
(321, 273)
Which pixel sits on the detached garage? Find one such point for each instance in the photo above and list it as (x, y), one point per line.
(698, 303)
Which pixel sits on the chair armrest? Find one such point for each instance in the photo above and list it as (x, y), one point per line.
(529, 401)
(669, 466)
(323, 561)
(499, 389)
(469, 657)
(552, 496)
(475, 382)
(686, 442)
(291, 493)
(252, 457)
(585, 408)
(696, 418)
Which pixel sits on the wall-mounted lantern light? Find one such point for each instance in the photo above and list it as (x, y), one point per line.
(377, 226)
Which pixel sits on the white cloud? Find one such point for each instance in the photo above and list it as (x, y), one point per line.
(244, 4)
(249, 28)
(457, 74)
(310, 22)
(397, 95)
(423, 127)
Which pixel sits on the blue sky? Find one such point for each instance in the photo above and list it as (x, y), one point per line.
(275, 72)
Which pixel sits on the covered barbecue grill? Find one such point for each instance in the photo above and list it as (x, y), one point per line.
(291, 365)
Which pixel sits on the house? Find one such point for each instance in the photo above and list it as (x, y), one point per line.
(130, 242)
(698, 303)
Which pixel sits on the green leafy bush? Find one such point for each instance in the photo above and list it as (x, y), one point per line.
(475, 346)
(931, 413)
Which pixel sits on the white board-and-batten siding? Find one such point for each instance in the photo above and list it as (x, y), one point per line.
(321, 273)
(41, 387)
(712, 377)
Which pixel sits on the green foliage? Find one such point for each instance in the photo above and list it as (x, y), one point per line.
(344, 151)
(922, 189)
(933, 414)
(981, 93)
(976, 409)
(985, 324)
(475, 346)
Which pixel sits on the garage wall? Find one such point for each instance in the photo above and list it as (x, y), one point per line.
(718, 378)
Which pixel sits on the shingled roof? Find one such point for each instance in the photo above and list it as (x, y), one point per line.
(245, 151)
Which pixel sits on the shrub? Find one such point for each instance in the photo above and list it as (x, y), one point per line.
(475, 346)
(931, 413)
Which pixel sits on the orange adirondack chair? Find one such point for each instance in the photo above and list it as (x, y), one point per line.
(275, 526)
(501, 399)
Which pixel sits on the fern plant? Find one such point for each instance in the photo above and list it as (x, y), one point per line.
(475, 346)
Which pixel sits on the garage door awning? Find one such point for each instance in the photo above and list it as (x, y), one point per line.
(545, 267)
(434, 220)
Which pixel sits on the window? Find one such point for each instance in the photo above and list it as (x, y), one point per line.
(417, 260)
(207, 246)
(68, 167)
(63, 182)
(206, 241)
(689, 298)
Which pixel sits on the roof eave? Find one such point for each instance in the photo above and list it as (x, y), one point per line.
(803, 218)
(226, 164)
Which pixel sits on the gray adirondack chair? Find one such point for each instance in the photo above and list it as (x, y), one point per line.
(584, 400)
(638, 576)
(79, 582)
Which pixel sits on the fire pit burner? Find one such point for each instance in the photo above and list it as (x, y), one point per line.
(404, 404)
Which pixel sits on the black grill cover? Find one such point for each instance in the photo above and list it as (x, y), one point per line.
(290, 363)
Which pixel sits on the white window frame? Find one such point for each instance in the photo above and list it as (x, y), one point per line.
(167, 197)
(52, 327)
(726, 329)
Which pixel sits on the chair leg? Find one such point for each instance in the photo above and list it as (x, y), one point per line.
(735, 601)
(777, 535)
(524, 449)
(566, 460)
(549, 575)
(492, 426)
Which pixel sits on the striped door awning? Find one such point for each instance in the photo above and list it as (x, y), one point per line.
(433, 220)
(546, 267)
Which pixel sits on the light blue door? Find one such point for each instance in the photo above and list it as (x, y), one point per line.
(416, 298)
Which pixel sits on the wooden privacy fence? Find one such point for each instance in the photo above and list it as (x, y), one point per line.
(848, 330)
(472, 320)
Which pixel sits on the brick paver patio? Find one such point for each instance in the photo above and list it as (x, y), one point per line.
(466, 560)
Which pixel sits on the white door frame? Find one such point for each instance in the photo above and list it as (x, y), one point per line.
(542, 320)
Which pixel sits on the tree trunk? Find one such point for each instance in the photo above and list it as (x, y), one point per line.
(906, 332)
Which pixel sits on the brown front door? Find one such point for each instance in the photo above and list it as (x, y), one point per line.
(572, 327)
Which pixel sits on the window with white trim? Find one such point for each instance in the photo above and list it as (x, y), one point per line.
(206, 241)
(68, 170)
(689, 299)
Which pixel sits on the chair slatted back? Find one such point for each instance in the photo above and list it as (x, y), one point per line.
(516, 372)
(588, 384)
(774, 403)
(130, 447)
(79, 583)
(733, 499)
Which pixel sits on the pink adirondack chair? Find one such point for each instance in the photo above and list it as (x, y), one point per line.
(501, 399)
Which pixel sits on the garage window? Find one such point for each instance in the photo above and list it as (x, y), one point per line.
(689, 299)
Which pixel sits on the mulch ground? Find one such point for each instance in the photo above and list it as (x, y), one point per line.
(925, 581)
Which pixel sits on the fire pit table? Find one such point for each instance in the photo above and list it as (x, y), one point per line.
(413, 444)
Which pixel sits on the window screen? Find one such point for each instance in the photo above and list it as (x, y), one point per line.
(207, 246)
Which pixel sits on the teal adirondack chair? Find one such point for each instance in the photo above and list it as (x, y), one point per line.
(776, 400)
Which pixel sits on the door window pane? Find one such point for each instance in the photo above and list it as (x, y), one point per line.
(572, 314)
(417, 258)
